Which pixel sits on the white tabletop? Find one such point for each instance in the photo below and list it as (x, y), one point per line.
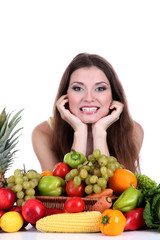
(31, 233)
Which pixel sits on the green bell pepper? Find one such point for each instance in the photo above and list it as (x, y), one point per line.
(73, 159)
(51, 186)
(128, 200)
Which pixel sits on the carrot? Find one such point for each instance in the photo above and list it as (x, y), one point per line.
(106, 192)
(102, 204)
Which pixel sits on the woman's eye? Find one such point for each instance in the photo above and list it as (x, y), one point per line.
(76, 88)
(99, 89)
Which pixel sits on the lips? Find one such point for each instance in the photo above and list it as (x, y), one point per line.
(89, 109)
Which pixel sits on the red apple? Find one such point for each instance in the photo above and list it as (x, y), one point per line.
(1, 213)
(33, 210)
(7, 198)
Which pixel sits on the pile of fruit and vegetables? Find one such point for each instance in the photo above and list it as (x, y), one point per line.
(86, 194)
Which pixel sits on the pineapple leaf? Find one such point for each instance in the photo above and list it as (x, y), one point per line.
(14, 119)
(8, 140)
(2, 117)
(4, 126)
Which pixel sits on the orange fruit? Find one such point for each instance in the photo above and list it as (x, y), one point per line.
(46, 173)
(121, 180)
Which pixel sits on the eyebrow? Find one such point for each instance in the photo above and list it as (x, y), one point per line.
(77, 82)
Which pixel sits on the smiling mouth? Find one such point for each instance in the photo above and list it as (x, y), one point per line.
(89, 110)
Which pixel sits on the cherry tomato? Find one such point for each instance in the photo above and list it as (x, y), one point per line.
(73, 191)
(61, 169)
(74, 204)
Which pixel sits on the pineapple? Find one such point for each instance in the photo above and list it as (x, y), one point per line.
(8, 141)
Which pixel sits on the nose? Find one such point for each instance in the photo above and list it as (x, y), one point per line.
(89, 96)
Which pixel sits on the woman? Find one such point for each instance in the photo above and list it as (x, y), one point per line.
(90, 112)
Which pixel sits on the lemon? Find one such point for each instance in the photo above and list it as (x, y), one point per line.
(11, 221)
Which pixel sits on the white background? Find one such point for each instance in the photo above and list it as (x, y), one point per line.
(38, 39)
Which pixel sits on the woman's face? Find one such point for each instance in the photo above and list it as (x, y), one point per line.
(89, 94)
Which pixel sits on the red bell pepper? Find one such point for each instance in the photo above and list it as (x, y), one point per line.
(134, 219)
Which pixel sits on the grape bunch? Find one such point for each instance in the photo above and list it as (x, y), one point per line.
(95, 172)
(23, 184)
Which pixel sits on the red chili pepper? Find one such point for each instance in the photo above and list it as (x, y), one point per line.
(50, 211)
(134, 219)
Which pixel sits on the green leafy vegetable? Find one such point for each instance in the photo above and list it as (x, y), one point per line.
(151, 212)
(145, 183)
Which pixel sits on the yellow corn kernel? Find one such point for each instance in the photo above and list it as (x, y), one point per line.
(70, 222)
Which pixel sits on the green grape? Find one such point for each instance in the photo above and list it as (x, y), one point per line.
(88, 189)
(31, 174)
(25, 178)
(79, 166)
(117, 165)
(19, 202)
(111, 166)
(103, 160)
(33, 197)
(121, 166)
(90, 157)
(18, 173)
(38, 175)
(26, 185)
(13, 188)
(87, 180)
(87, 167)
(18, 180)
(109, 172)
(10, 185)
(112, 159)
(30, 192)
(68, 177)
(83, 173)
(77, 181)
(97, 188)
(73, 172)
(93, 179)
(102, 182)
(10, 179)
(103, 170)
(20, 195)
(18, 187)
(34, 182)
(96, 153)
(106, 176)
(97, 172)
(27, 197)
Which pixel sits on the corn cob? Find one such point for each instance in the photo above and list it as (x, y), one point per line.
(70, 222)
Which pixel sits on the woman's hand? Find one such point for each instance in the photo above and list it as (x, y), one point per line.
(66, 115)
(105, 122)
(99, 128)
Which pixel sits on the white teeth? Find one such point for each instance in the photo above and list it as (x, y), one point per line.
(92, 109)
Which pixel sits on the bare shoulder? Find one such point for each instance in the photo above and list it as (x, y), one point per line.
(42, 131)
(138, 134)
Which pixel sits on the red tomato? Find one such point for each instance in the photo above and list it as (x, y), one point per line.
(73, 191)
(74, 204)
(60, 170)
(33, 210)
(7, 198)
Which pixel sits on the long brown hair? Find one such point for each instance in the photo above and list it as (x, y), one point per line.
(120, 136)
